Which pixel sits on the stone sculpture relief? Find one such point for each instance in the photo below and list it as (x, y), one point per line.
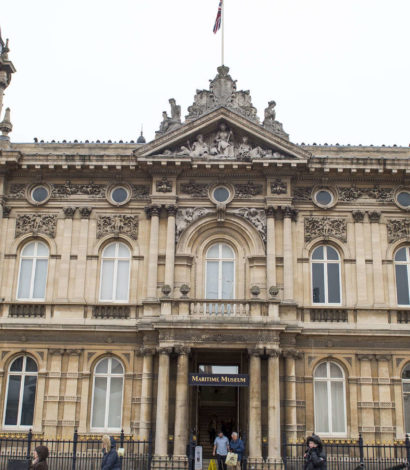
(348, 194)
(257, 217)
(116, 224)
(70, 189)
(278, 187)
(36, 223)
(398, 229)
(244, 190)
(164, 186)
(195, 189)
(185, 217)
(140, 191)
(271, 124)
(324, 227)
(303, 193)
(17, 191)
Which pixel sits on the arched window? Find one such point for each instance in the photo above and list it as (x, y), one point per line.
(326, 287)
(220, 272)
(402, 264)
(330, 404)
(115, 273)
(406, 397)
(107, 394)
(21, 392)
(33, 272)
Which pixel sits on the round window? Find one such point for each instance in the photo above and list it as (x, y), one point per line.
(324, 197)
(221, 194)
(119, 195)
(403, 198)
(39, 194)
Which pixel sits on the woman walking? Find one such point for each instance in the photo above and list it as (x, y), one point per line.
(315, 457)
(40, 456)
(110, 460)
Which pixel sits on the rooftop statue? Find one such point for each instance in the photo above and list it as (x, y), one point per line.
(271, 124)
(170, 123)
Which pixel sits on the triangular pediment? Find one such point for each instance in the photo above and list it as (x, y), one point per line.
(222, 134)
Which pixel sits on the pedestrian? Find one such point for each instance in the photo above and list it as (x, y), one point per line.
(40, 456)
(221, 445)
(212, 430)
(237, 447)
(315, 457)
(110, 460)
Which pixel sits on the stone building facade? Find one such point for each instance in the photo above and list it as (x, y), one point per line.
(219, 246)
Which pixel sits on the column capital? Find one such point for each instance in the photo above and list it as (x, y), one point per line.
(74, 352)
(182, 350)
(383, 357)
(69, 212)
(365, 357)
(56, 352)
(152, 211)
(172, 210)
(358, 216)
(292, 354)
(255, 352)
(164, 350)
(290, 212)
(85, 212)
(273, 352)
(145, 351)
(270, 212)
(374, 216)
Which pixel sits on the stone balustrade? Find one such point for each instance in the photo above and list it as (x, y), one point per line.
(27, 310)
(111, 311)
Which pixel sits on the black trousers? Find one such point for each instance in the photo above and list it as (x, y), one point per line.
(221, 462)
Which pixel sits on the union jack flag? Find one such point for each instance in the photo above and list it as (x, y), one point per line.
(218, 20)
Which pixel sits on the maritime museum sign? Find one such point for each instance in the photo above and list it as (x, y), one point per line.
(219, 380)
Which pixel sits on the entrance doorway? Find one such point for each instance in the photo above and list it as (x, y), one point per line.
(218, 408)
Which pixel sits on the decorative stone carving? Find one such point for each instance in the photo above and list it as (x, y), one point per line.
(222, 92)
(255, 291)
(184, 289)
(85, 212)
(271, 124)
(374, 216)
(381, 194)
(198, 149)
(257, 217)
(289, 211)
(6, 211)
(164, 186)
(349, 194)
(187, 216)
(325, 227)
(170, 123)
(358, 216)
(17, 191)
(172, 210)
(140, 191)
(69, 212)
(166, 290)
(70, 189)
(116, 224)
(278, 187)
(273, 291)
(398, 229)
(36, 223)
(223, 144)
(303, 193)
(152, 211)
(248, 189)
(195, 189)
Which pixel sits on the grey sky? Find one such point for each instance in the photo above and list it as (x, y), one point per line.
(339, 70)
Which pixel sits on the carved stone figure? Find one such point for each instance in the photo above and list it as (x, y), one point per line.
(347, 194)
(36, 223)
(170, 123)
(163, 127)
(381, 194)
(223, 142)
(185, 217)
(198, 149)
(140, 191)
(244, 149)
(247, 190)
(324, 227)
(271, 124)
(116, 224)
(398, 229)
(278, 187)
(17, 191)
(195, 189)
(257, 217)
(70, 189)
(175, 111)
(303, 193)
(164, 186)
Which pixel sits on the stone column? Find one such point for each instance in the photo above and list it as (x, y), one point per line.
(271, 260)
(70, 393)
(366, 395)
(152, 275)
(170, 250)
(289, 214)
(181, 405)
(378, 287)
(361, 283)
(274, 446)
(51, 413)
(64, 265)
(255, 418)
(161, 427)
(385, 397)
(290, 379)
(146, 393)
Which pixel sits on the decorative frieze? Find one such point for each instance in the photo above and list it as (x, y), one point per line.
(347, 194)
(187, 216)
(70, 189)
(248, 190)
(116, 224)
(303, 193)
(164, 185)
(278, 187)
(17, 191)
(325, 227)
(195, 189)
(36, 223)
(140, 191)
(398, 229)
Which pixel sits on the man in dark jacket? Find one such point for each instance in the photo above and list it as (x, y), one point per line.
(110, 461)
(40, 456)
(315, 457)
(237, 447)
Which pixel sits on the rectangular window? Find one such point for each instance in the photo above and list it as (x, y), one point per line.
(402, 282)
(318, 283)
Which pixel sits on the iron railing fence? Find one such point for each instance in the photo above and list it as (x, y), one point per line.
(78, 454)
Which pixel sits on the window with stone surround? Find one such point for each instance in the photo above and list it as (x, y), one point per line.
(220, 272)
(402, 269)
(326, 285)
(329, 399)
(21, 393)
(115, 273)
(107, 395)
(406, 397)
(32, 278)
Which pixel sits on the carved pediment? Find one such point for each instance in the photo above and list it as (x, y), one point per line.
(222, 135)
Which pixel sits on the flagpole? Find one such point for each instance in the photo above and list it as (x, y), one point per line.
(223, 32)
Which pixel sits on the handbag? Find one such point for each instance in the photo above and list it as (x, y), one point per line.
(231, 459)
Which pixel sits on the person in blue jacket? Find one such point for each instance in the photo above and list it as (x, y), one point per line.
(110, 460)
(237, 447)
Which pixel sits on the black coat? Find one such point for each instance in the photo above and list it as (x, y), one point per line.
(41, 465)
(315, 459)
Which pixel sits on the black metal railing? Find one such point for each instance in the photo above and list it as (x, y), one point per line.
(80, 453)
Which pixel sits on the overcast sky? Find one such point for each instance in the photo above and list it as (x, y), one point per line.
(339, 70)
